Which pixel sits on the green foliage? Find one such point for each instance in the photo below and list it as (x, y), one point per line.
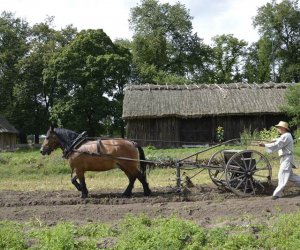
(95, 230)
(292, 104)
(13, 33)
(87, 70)
(258, 62)
(164, 48)
(297, 135)
(217, 237)
(284, 234)
(27, 52)
(279, 24)
(141, 232)
(268, 134)
(62, 236)
(265, 134)
(220, 134)
(166, 233)
(241, 241)
(227, 53)
(246, 136)
(11, 236)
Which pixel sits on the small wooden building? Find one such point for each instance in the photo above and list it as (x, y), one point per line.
(8, 135)
(173, 115)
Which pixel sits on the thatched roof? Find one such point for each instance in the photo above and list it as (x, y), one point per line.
(6, 127)
(149, 101)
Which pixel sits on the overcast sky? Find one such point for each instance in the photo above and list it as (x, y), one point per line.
(210, 17)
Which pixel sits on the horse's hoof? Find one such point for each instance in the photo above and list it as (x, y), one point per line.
(148, 193)
(126, 195)
(83, 196)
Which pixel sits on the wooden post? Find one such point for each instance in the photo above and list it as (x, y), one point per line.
(178, 177)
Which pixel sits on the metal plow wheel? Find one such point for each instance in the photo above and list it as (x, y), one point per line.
(247, 173)
(216, 168)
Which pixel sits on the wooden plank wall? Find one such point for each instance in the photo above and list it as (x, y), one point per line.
(7, 141)
(161, 133)
(174, 132)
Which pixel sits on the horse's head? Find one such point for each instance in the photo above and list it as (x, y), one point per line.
(50, 143)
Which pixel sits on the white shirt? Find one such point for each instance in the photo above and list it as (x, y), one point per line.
(285, 147)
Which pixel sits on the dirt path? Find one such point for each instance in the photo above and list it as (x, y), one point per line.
(205, 205)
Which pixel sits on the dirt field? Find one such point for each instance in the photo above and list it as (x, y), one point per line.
(205, 205)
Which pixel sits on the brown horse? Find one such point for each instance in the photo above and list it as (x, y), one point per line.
(98, 155)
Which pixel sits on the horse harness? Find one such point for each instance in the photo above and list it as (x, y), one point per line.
(75, 144)
(83, 137)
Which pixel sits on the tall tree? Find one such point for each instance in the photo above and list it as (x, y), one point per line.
(163, 42)
(258, 62)
(90, 73)
(13, 46)
(228, 54)
(33, 95)
(279, 23)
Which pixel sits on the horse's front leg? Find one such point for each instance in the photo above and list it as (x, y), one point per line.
(75, 183)
(80, 176)
(84, 191)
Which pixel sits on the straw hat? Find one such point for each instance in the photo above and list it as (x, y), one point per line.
(283, 125)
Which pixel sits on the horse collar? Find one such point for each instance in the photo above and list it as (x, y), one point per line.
(80, 139)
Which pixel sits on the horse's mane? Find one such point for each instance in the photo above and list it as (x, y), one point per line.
(66, 136)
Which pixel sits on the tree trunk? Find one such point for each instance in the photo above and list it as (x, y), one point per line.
(36, 139)
(22, 137)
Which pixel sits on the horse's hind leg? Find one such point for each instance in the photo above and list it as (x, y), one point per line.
(132, 177)
(128, 191)
(144, 182)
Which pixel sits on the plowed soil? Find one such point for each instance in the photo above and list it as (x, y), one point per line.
(205, 205)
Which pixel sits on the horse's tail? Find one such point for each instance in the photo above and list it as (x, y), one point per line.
(143, 164)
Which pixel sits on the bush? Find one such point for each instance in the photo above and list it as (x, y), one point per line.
(247, 136)
(268, 135)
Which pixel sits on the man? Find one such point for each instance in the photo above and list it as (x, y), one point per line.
(285, 147)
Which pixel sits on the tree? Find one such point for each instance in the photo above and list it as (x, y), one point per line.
(32, 94)
(228, 52)
(258, 62)
(163, 43)
(90, 73)
(292, 104)
(13, 47)
(279, 23)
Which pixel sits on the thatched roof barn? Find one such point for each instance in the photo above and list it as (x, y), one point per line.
(8, 135)
(191, 113)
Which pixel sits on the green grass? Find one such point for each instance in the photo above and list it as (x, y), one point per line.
(141, 232)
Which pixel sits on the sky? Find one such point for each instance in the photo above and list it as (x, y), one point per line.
(210, 17)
